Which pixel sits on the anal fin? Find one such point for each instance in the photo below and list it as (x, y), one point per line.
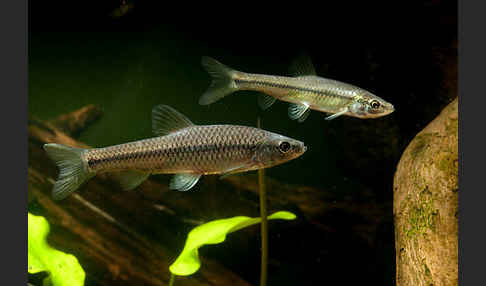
(183, 182)
(129, 180)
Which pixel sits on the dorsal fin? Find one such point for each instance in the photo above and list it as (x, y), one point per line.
(166, 119)
(302, 65)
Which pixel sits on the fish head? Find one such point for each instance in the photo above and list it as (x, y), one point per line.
(276, 149)
(368, 105)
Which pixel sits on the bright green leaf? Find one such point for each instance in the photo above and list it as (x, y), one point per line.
(64, 268)
(212, 233)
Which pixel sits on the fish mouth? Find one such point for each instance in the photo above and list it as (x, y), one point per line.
(390, 109)
(387, 109)
(301, 150)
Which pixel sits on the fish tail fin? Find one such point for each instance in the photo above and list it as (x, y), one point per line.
(73, 172)
(223, 83)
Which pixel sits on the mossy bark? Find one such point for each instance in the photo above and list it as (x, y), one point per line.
(426, 204)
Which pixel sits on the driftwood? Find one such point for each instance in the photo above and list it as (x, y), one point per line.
(130, 238)
(110, 252)
(426, 205)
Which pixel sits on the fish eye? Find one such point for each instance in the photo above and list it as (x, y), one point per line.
(284, 146)
(375, 104)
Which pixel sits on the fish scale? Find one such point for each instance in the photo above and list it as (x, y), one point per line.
(181, 148)
(210, 149)
(319, 93)
(304, 91)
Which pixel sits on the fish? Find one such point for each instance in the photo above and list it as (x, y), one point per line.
(304, 91)
(123, 9)
(179, 147)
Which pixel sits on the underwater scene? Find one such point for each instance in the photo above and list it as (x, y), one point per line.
(306, 150)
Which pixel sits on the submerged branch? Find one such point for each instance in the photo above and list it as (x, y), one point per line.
(74, 122)
(118, 240)
(130, 238)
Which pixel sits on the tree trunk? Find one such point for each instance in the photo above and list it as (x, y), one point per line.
(425, 204)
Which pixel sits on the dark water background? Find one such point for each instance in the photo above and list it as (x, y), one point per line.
(78, 55)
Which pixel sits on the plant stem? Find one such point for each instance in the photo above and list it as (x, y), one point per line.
(171, 281)
(264, 227)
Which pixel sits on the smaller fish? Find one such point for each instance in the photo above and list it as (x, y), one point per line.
(304, 91)
(181, 148)
(122, 10)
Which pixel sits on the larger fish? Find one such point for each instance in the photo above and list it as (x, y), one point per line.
(305, 91)
(182, 148)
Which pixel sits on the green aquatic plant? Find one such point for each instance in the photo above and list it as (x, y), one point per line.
(213, 232)
(63, 268)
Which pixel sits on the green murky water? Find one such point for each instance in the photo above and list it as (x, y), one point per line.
(129, 65)
(126, 74)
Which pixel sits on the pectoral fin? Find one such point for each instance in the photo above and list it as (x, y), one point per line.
(183, 182)
(237, 169)
(331, 117)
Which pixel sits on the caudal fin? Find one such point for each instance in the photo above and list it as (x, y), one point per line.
(72, 171)
(222, 84)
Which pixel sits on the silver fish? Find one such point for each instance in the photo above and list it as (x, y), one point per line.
(181, 148)
(305, 91)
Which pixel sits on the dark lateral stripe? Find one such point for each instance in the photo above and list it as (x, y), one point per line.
(127, 156)
(168, 152)
(283, 86)
(206, 148)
